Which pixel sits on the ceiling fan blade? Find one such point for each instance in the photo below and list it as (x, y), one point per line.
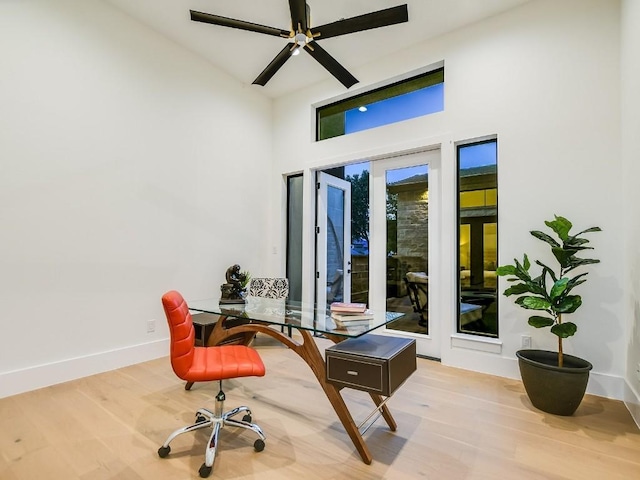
(331, 64)
(381, 18)
(299, 15)
(240, 24)
(275, 65)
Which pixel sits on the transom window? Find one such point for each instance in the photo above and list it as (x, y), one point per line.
(413, 97)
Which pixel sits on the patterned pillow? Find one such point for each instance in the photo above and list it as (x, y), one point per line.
(269, 287)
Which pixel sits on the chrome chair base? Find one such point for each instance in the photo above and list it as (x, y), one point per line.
(217, 419)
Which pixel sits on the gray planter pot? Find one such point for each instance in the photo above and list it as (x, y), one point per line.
(550, 388)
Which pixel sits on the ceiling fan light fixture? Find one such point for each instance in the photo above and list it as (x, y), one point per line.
(296, 50)
(301, 39)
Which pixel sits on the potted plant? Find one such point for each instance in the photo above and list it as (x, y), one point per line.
(555, 382)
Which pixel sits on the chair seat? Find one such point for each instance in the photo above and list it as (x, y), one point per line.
(223, 362)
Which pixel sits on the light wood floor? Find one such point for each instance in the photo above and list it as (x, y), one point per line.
(452, 424)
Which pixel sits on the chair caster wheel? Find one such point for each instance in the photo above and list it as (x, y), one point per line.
(247, 418)
(164, 451)
(200, 419)
(258, 445)
(204, 471)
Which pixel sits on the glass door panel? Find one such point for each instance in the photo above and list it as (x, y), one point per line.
(401, 201)
(407, 213)
(333, 232)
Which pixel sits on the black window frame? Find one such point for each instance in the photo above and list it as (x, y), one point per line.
(495, 217)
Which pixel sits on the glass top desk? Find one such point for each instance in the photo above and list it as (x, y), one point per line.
(240, 322)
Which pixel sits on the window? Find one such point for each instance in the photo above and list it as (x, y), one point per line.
(414, 97)
(294, 236)
(478, 238)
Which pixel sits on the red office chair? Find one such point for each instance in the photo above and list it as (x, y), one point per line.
(201, 364)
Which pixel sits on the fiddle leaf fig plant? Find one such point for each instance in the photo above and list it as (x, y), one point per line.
(551, 291)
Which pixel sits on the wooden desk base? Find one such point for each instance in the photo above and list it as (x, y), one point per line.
(307, 350)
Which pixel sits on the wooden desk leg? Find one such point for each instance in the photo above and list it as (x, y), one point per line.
(377, 399)
(311, 354)
(308, 350)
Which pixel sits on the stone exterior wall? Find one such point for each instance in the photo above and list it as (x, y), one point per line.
(413, 234)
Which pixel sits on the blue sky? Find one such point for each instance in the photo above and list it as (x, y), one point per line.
(475, 155)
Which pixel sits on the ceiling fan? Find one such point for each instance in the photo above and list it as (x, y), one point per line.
(305, 37)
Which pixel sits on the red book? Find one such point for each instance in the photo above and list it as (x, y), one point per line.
(340, 307)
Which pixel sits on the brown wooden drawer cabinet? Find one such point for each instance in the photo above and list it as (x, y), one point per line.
(373, 363)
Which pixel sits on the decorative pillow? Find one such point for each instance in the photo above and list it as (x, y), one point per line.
(275, 287)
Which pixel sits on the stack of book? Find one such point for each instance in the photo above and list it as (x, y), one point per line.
(350, 314)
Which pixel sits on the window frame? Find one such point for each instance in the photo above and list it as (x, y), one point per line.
(413, 81)
(494, 217)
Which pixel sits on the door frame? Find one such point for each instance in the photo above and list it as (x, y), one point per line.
(431, 344)
(444, 305)
(325, 181)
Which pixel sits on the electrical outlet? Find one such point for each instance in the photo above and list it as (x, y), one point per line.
(151, 326)
(526, 341)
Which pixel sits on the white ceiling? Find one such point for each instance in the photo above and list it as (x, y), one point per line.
(245, 54)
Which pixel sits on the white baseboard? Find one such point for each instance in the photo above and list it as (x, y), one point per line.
(32, 378)
(604, 385)
(632, 401)
(39, 376)
(600, 384)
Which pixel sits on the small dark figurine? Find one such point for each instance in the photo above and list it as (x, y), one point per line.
(232, 290)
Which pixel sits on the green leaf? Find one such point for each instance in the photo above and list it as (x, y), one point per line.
(574, 242)
(533, 303)
(575, 281)
(564, 255)
(546, 269)
(568, 304)
(561, 226)
(564, 330)
(519, 289)
(558, 288)
(506, 270)
(526, 263)
(540, 322)
(578, 262)
(521, 272)
(545, 238)
(592, 229)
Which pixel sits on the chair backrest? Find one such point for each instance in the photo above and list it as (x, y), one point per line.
(269, 287)
(182, 332)
(417, 288)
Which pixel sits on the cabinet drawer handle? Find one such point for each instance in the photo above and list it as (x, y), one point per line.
(352, 372)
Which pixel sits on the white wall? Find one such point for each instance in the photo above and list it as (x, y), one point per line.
(545, 78)
(125, 171)
(630, 75)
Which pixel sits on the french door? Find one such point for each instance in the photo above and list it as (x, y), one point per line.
(333, 240)
(404, 201)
